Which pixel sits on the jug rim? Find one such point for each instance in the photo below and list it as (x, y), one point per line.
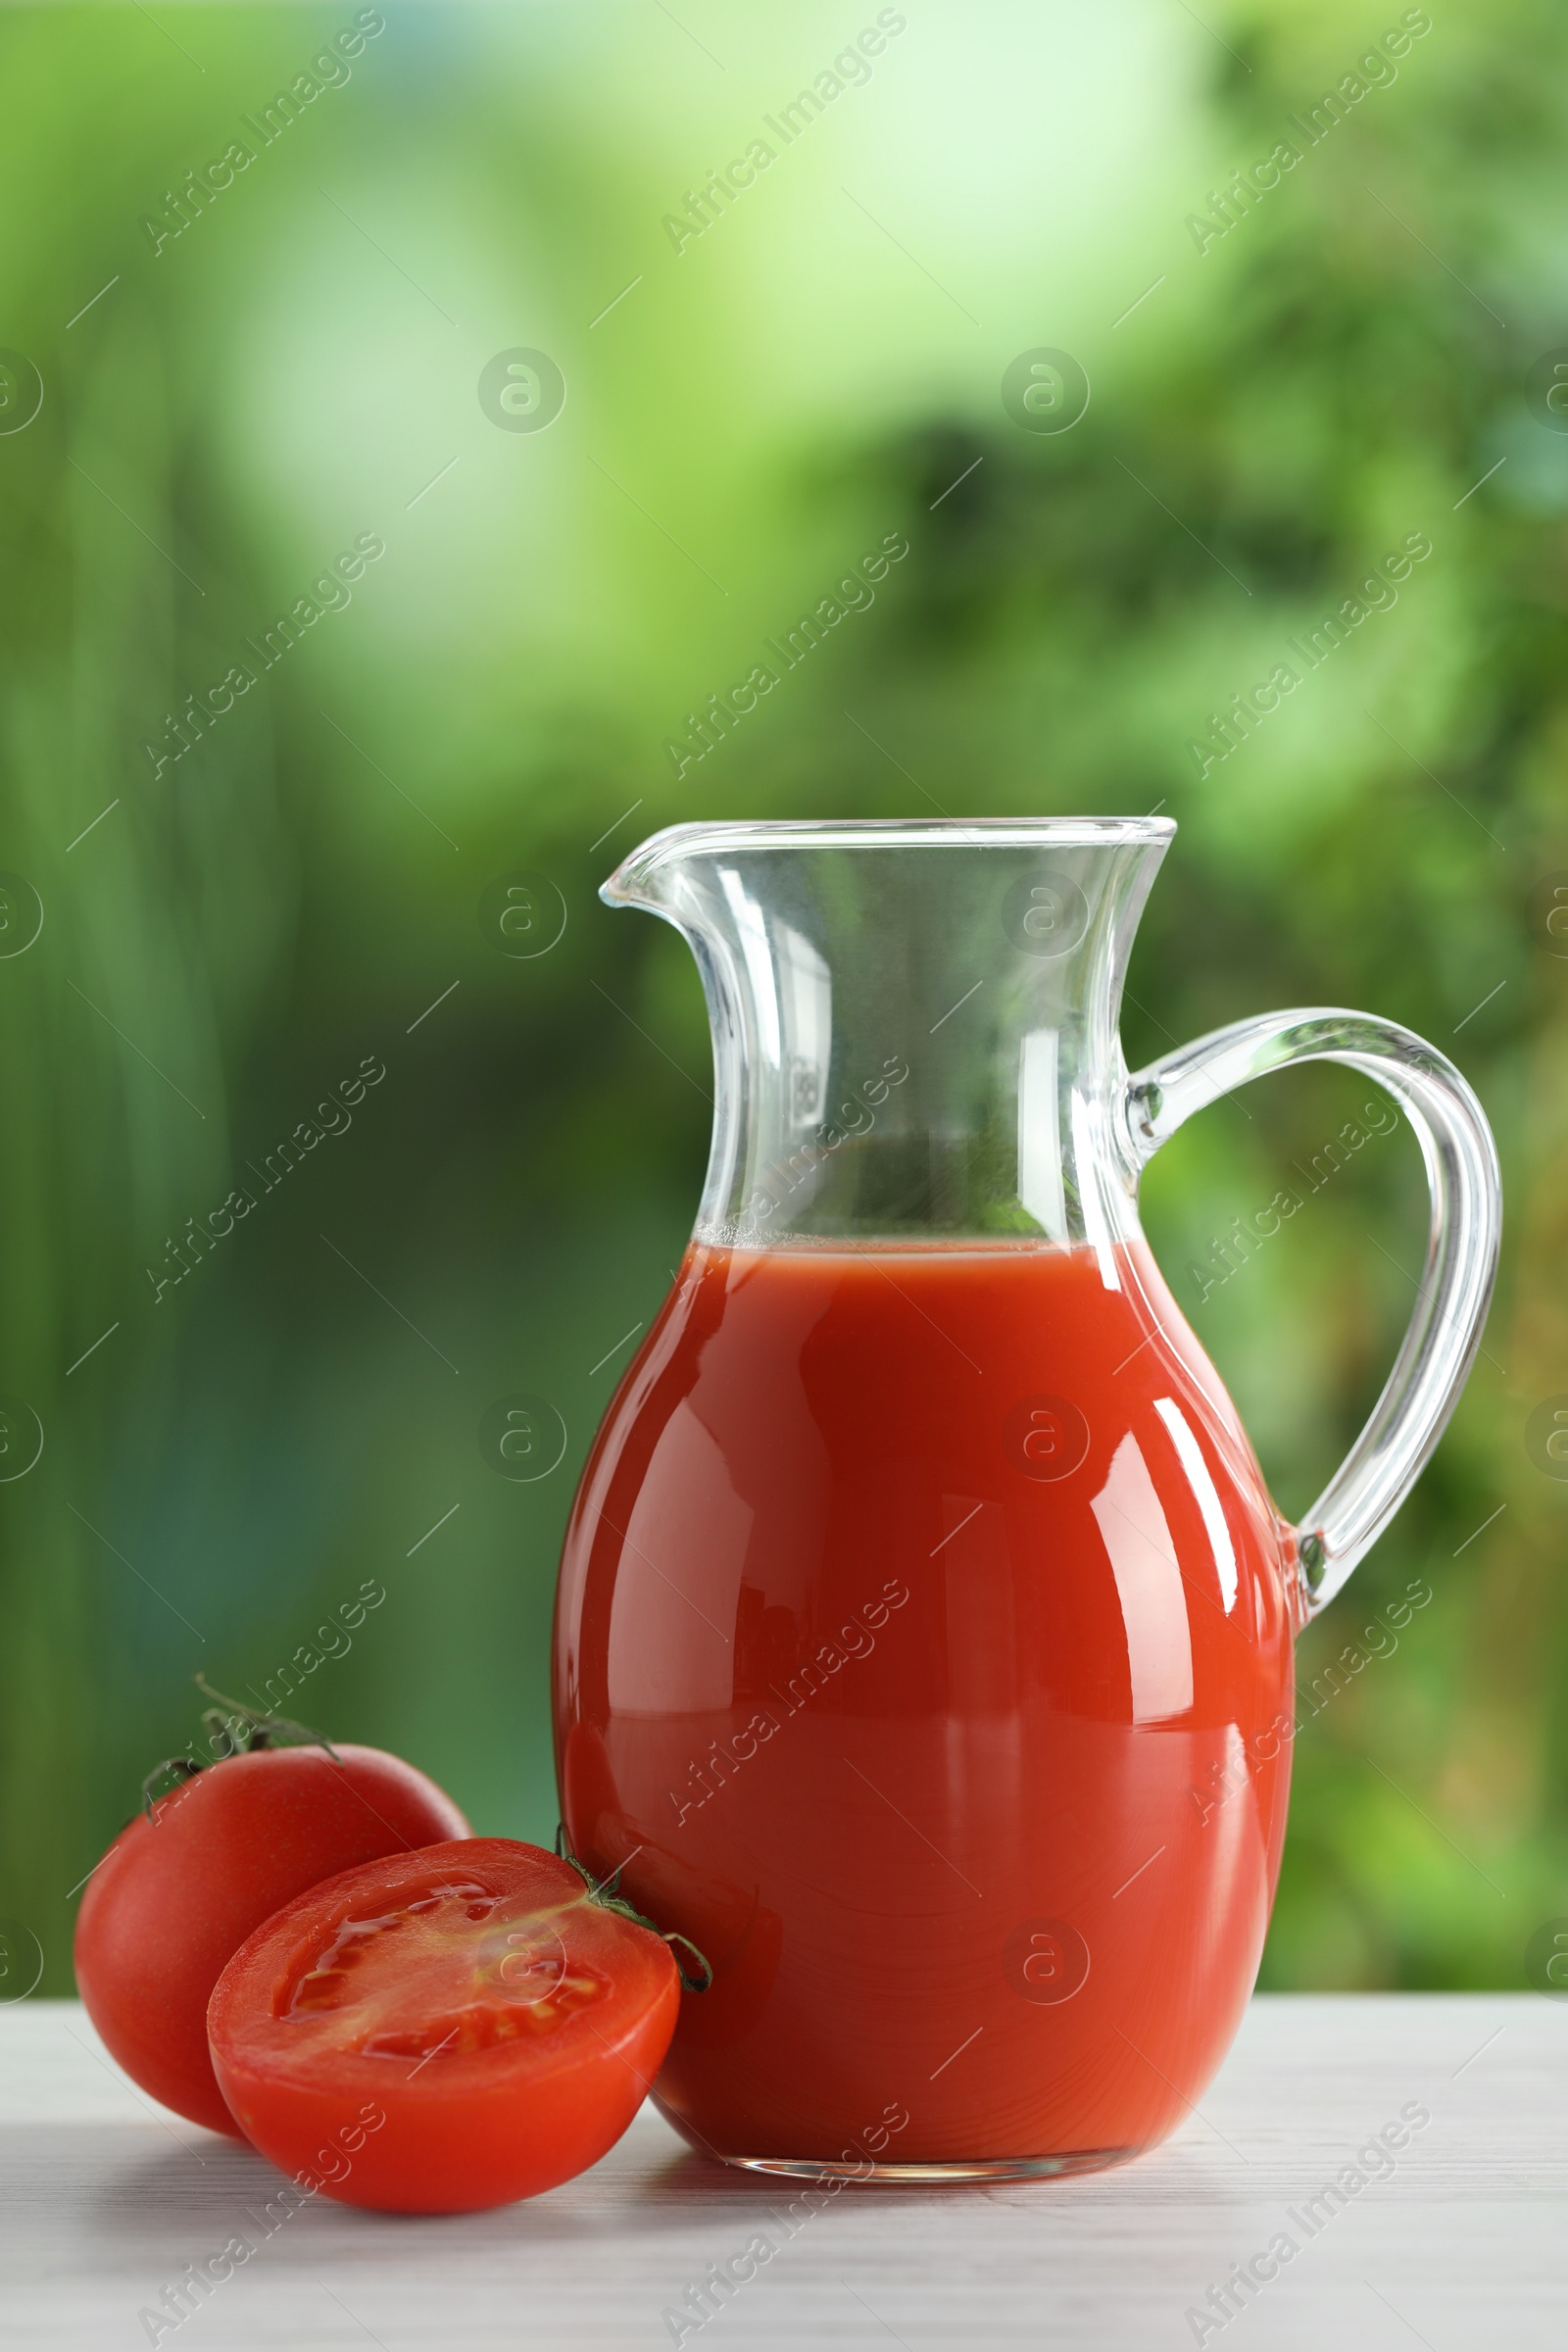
(703, 834)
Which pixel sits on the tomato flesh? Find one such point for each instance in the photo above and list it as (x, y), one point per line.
(455, 1962)
(177, 1895)
(482, 2025)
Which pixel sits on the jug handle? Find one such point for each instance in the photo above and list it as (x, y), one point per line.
(1461, 1263)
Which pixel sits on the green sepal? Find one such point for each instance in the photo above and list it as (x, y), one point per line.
(234, 1730)
(603, 1893)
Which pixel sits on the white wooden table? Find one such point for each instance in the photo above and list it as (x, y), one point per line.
(104, 2199)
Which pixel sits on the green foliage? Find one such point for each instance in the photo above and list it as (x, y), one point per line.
(249, 924)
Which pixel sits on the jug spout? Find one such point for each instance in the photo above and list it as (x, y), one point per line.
(914, 1025)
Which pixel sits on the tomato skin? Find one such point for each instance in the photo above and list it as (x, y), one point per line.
(175, 1897)
(454, 2132)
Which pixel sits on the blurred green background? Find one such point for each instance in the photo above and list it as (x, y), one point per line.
(226, 937)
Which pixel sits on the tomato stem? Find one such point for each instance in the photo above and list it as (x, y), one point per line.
(233, 1729)
(244, 1728)
(603, 1891)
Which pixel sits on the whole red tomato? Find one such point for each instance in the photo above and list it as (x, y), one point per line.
(184, 1886)
(443, 2031)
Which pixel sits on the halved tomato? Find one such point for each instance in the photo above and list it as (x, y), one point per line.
(444, 2029)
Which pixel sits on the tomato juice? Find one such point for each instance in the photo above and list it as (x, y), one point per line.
(923, 1652)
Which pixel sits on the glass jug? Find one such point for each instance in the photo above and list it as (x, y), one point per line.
(923, 1642)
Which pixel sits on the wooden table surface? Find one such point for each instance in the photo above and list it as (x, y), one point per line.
(1463, 2243)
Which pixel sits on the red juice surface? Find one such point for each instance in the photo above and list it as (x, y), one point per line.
(923, 1650)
